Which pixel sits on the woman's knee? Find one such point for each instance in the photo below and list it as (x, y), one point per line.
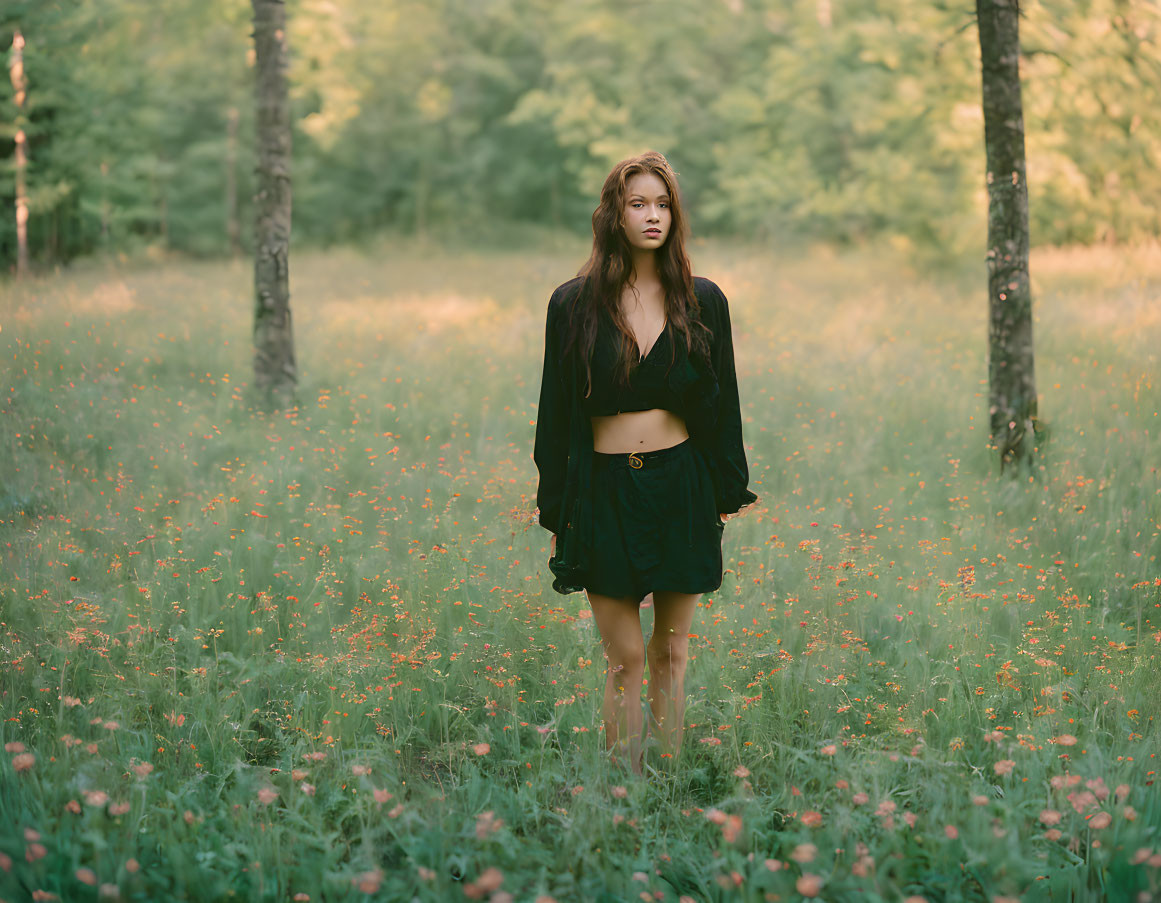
(626, 658)
(668, 651)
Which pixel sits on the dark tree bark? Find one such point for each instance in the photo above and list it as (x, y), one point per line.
(233, 230)
(1012, 406)
(275, 371)
(19, 90)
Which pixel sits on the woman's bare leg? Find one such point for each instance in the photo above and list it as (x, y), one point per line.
(619, 623)
(668, 656)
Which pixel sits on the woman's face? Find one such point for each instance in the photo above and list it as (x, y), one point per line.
(646, 217)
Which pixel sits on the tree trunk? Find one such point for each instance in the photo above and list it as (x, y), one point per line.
(233, 230)
(275, 372)
(1011, 377)
(19, 89)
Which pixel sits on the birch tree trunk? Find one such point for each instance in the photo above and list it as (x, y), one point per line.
(275, 371)
(1012, 404)
(19, 90)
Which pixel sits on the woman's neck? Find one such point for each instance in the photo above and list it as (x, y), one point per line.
(644, 267)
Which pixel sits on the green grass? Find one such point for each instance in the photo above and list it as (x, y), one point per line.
(225, 595)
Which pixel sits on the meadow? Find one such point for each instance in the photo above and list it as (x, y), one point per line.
(316, 655)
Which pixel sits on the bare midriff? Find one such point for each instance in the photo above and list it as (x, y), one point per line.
(636, 431)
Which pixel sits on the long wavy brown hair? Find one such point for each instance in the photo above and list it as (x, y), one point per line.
(607, 271)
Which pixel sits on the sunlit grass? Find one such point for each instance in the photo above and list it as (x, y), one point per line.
(316, 655)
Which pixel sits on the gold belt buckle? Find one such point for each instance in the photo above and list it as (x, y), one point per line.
(635, 462)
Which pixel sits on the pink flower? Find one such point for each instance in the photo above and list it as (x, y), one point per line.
(487, 823)
(1050, 817)
(717, 816)
(829, 750)
(142, 769)
(1004, 766)
(298, 774)
(490, 880)
(481, 749)
(381, 796)
(811, 818)
(860, 798)
(951, 831)
(773, 864)
(620, 792)
(1129, 813)
(804, 853)
(1100, 820)
(1084, 799)
(360, 771)
(306, 788)
(886, 807)
(741, 772)
(14, 746)
(809, 885)
(35, 851)
(87, 876)
(23, 761)
(1097, 786)
(979, 800)
(118, 809)
(96, 797)
(267, 795)
(396, 811)
(1065, 740)
(368, 882)
(732, 828)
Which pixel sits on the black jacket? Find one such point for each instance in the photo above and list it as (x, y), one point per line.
(564, 439)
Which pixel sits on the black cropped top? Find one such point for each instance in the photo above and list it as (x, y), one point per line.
(648, 386)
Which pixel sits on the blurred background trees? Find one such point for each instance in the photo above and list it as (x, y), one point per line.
(836, 120)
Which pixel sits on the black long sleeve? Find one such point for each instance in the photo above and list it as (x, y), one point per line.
(728, 456)
(550, 450)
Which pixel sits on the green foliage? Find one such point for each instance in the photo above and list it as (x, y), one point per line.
(461, 117)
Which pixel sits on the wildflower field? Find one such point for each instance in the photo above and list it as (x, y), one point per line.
(316, 655)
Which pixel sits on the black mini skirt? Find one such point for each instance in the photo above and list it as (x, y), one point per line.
(655, 524)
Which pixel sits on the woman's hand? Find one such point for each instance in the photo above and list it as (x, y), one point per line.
(552, 546)
(738, 513)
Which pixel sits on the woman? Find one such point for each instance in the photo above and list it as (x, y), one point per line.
(639, 444)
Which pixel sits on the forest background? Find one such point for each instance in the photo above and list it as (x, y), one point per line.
(489, 120)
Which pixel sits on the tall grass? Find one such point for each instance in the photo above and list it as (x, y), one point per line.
(316, 654)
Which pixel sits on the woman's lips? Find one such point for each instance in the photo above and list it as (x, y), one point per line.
(655, 233)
